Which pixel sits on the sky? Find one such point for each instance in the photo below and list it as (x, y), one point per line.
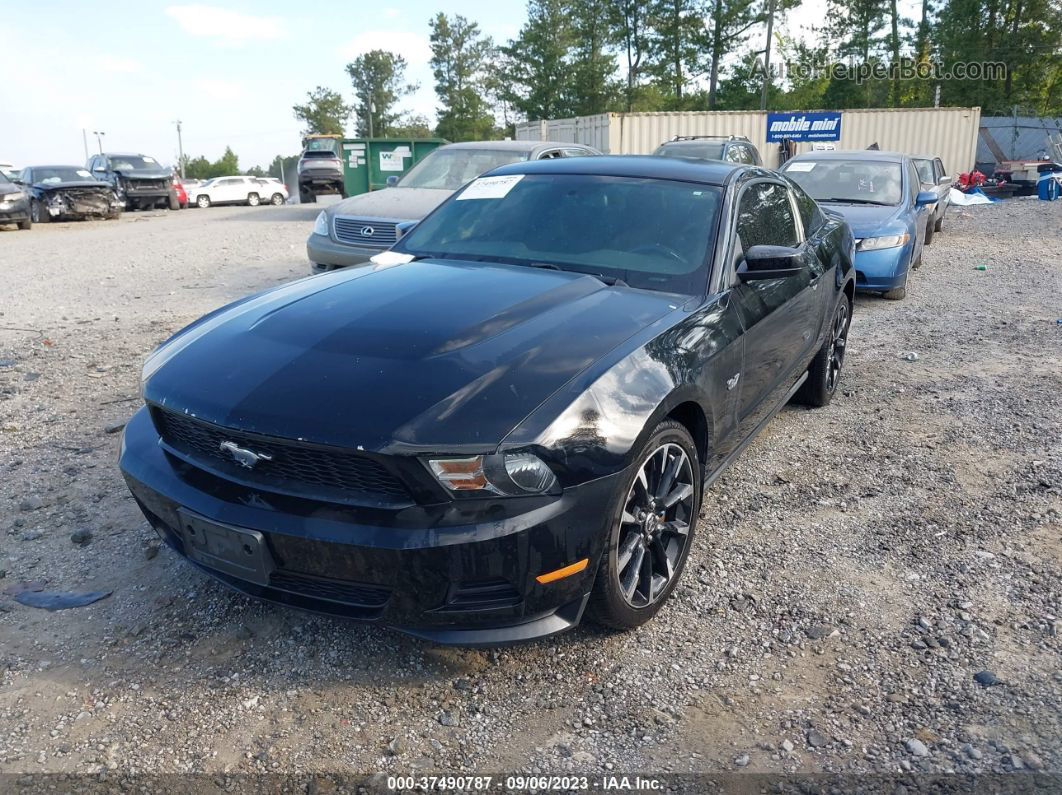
(230, 70)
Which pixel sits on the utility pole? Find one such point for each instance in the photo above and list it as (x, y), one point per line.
(180, 148)
(84, 140)
(767, 57)
(99, 139)
(369, 107)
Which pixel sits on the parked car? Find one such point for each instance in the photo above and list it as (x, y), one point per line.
(140, 181)
(320, 170)
(273, 190)
(232, 190)
(731, 148)
(353, 230)
(934, 179)
(512, 415)
(14, 204)
(67, 192)
(181, 192)
(880, 195)
(9, 171)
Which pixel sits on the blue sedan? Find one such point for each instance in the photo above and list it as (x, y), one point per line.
(880, 196)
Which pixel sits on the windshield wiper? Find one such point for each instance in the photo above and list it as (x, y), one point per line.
(855, 201)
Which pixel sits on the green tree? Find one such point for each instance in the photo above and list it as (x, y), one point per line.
(379, 80)
(534, 66)
(676, 40)
(460, 56)
(411, 126)
(227, 164)
(629, 30)
(198, 168)
(727, 26)
(323, 113)
(591, 84)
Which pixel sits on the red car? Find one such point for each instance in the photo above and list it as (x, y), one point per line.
(182, 194)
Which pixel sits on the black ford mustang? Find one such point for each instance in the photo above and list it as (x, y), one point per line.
(511, 416)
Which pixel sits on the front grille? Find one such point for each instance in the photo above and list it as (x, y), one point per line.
(484, 595)
(291, 467)
(366, 232)
(135, 185)
(350, 593)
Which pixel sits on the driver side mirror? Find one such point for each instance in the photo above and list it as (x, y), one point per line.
(392, 181)
(770, 262)
(403, 228)
(925, 197)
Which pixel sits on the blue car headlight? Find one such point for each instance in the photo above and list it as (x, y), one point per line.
(885, 241)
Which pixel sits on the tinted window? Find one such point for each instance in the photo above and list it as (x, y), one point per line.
(449, 169)
(699, 150)
(133, 162)
(810, 214)
(925, 171)
(739, 153)
(652, 234)
(848, 181)
(765, 217)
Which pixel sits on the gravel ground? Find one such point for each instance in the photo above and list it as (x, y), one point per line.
(852, 573)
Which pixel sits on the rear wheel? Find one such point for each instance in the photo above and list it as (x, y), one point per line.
(652, 529)
(824, 372)
(202, 202)
(173, 203)
(38, 214)
(277, 199)
(253, 200)
(939, 225)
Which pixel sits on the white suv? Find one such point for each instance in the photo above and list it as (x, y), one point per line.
(237, 190)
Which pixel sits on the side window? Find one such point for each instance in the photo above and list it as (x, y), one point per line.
(550, 154)
(940, 168)
(765, 217)
(745, 154)
(810, 214)
(913, 183)
(732, 155)
(575, 153)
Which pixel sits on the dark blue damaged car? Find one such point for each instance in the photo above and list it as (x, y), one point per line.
(507, 421)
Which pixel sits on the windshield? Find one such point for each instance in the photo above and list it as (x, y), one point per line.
(847, 181)
(133, 162)
(3, 179)
(54, 174)
(698, 151)
(925, 171)
(652, 234)
(449, 169)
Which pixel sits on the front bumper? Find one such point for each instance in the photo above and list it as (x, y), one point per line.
(323, 250)
(883, 269)
(15, 213)
(462, 572)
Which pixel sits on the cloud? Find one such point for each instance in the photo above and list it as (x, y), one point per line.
(226, 26)
(114, 63)
(219, 89)
(414, 47)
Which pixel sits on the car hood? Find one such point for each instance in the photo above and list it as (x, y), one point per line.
(865, 219)
(429, 355)
(146, 173)
(399, 203)
(6, 188)
(50, 186)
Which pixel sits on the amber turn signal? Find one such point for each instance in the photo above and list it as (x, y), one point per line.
(560, 574)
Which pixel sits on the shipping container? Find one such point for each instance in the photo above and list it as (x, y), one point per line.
(950, 133)
(369, 162)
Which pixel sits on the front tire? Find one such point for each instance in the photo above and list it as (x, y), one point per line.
(253, 200)
(939, 225)
(930, 229)
(173, 203)
(653, 524)
(278, 199)
(38, 215)
(824, 372)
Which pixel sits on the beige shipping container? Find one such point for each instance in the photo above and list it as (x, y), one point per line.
(949, 133)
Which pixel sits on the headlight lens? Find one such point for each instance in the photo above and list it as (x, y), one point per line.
(886, 241)
(508, 474)
(12, 197)
(320, 226)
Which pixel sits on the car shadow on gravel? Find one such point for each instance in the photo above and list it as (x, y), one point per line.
(286, 212)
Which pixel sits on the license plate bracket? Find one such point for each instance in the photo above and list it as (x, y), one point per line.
(236, 551)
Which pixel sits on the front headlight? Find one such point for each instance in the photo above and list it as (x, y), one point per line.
(12, 197)
(320, 226)
(886, 241)
(509, 474)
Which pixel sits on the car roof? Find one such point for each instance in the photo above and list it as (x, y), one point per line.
(518, 146)
(851, 154)
(54, 165)
(687, 170)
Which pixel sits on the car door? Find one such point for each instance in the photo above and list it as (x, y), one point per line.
(943, 191)
(778, 315)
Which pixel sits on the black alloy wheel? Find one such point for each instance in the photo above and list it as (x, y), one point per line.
(824, 372)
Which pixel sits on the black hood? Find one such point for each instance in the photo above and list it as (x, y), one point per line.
(428, 355)
(88, 183)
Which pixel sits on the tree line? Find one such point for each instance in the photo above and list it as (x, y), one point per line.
(579, 57)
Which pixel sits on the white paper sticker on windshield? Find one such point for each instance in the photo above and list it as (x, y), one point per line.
(82, 173)
(804, 166)
(490, 187)
(148, 159)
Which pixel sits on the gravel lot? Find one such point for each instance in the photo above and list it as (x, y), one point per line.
(852, 573)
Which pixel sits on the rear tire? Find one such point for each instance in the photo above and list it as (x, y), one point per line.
(277, 199)
(202, 202)
(930, 228)
(253, 200)
(649, 541)
(173, 203)
(939, 225)
(824, 372)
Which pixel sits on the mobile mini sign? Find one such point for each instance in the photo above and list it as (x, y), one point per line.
(825, 126)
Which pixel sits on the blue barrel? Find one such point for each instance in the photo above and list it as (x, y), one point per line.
(1048, 187)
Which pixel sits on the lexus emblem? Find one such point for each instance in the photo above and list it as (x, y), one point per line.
(244, 457)
(367, 231)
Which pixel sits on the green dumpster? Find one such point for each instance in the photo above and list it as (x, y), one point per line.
(368, 162)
